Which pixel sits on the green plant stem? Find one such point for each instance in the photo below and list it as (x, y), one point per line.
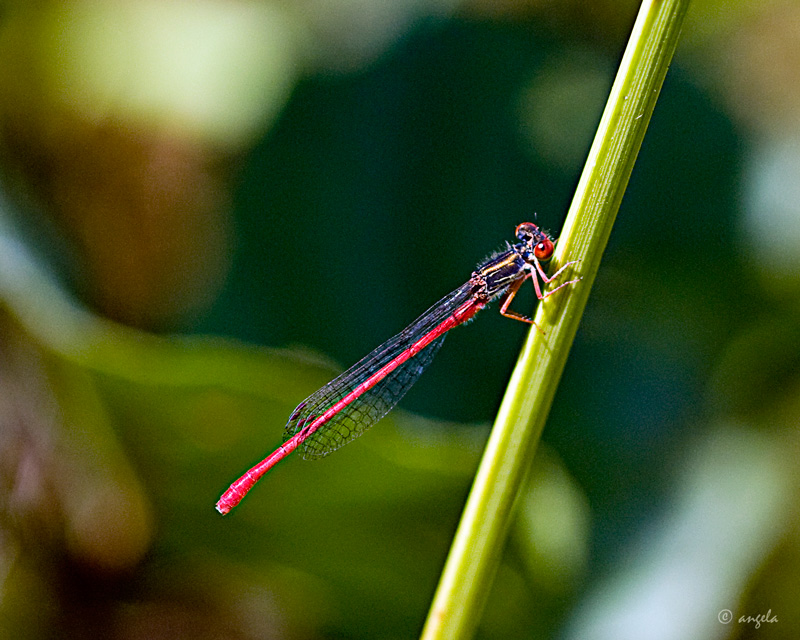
(475, 554)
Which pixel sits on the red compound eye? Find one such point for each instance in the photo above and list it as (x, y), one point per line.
(544, 250)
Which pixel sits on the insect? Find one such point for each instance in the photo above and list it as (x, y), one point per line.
(355, 400)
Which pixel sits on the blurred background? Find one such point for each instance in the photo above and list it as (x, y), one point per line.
(209, 207)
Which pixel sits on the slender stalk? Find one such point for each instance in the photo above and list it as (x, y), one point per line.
(474, 556)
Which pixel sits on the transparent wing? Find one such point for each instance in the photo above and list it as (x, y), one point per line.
(366, 408)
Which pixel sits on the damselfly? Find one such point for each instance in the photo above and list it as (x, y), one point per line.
(355, 400)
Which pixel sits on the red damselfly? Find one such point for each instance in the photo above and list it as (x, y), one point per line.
(355, 400)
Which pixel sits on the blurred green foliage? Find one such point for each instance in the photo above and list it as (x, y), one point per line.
(181, 413)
